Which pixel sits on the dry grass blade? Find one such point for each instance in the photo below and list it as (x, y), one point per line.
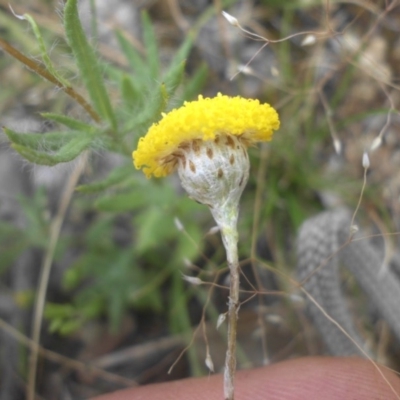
(46, 268)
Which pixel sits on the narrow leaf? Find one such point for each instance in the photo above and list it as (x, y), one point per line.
(182, 53)
(131, 94)
(35, 156)
(174, 79)
(152, 112)
(151, 46)
(13, 242)
(69, 122)
(120, 202)
(87, 63)
(151, 220)
(38, 69)
(118, 175)
(66, 153)
(51, 141)
(134, 58)
(45, 56)
(111, 72)
(174, 74)
(194, 85)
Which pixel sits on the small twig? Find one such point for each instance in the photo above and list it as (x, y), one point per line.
(328, 112)
(327, 316)
(177, 15)
(365, 166)
(44, 73)
(63, 360)
(202, 321)
(135, 353)
(378, 140)
(55, 230)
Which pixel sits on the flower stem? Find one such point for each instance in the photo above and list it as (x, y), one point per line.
(230, 360)
(226, 218)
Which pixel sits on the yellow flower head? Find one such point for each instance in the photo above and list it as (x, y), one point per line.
(204, 119)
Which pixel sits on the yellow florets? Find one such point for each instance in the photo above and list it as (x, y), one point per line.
(204, 119)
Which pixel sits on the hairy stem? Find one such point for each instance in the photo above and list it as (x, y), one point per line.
(44, 73)
(230, 360)
(226, 218)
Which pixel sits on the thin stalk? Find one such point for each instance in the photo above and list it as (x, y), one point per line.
(55, 231)
(226, 218)
(44, 73)
(230, 360)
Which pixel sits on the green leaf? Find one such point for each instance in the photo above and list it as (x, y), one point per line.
(182, 53)
(151, 46)
(78, 271)
(35, 156)
(37, 224)
(173, 76)
(62, 311)
(72, 278)
(194, 85)
(87, 63)
(12, 243)
(98, 237)
(151, 223)
(131, 93)
(93, 308)
(111, 73)
(135, 59)
(185, 248)
(11, 252)
(66, 153)
(154, 225)
(69, 122)
(120, 202)
(45, 56)
(51, 141)
(151, 113)
(118, 175)
(55, 324)
(71, 326)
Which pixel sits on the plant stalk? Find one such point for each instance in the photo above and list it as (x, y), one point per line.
(44, 73)
(55, 231)
(230, 360)
(226, 218)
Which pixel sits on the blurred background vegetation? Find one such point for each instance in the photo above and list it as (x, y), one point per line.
(105, 247)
